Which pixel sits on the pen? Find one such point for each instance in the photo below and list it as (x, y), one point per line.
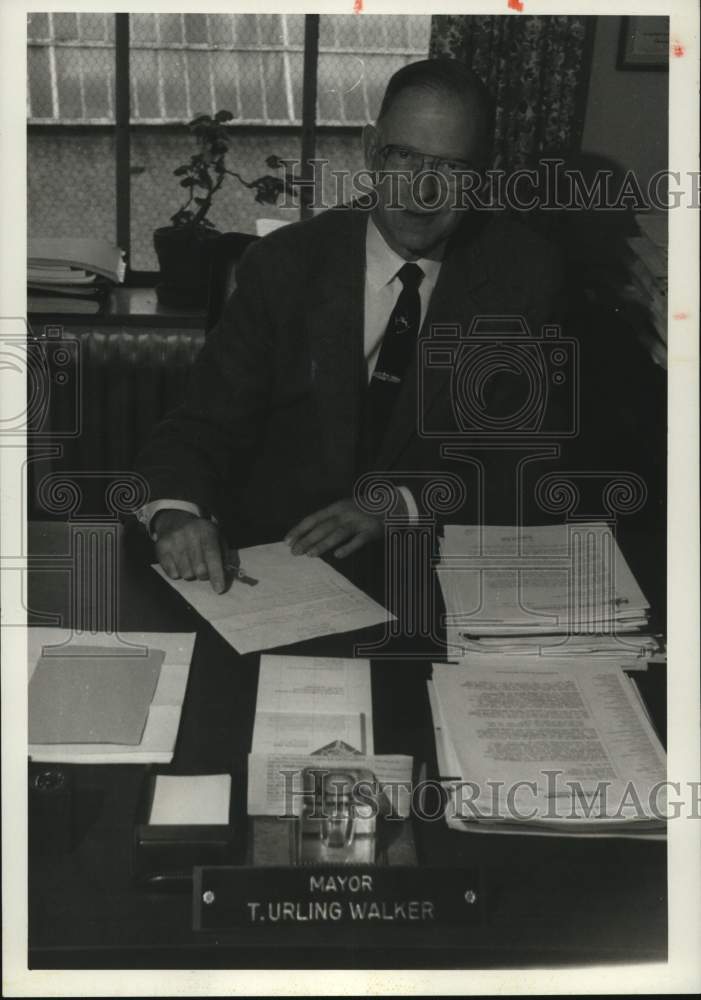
(237, 570)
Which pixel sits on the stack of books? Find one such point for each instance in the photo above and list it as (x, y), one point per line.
(566, 589)
(71, 275)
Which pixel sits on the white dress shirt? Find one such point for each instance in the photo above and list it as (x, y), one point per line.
(382, 289)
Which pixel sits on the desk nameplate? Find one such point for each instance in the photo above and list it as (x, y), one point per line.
(314, 896)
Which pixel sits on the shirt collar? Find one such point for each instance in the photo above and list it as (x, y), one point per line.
(382, 262)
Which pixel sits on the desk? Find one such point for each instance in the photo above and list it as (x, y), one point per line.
(549, 901)
(124, 306)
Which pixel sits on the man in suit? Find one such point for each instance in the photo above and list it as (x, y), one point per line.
(310, 378)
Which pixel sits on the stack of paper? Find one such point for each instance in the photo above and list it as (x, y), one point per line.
(546, 746)
(72, 275)
(315, 712)
(287, 599)
(647, 265)
(567, 587)
(100, 699)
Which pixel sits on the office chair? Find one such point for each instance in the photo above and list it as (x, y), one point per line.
(225, 253)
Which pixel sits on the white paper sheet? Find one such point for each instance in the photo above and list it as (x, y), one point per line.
(297, 732)
(501, 725)
(314, 683)
(185, 800)
(295, 598)
(325, 686)
(312, 708)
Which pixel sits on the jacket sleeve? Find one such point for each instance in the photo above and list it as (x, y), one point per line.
(210, 439)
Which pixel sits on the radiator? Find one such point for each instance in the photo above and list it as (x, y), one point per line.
(114, 385)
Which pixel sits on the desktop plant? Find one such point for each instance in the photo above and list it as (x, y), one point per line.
(182, 247)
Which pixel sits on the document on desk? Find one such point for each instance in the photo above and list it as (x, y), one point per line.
(301, 732)
(275, 782)
(516, 584)
(314, 705)
(314, 711)
(85, 740)
(547, 744)
(293, 598)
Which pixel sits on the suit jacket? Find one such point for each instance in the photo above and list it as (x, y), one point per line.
(272, 425)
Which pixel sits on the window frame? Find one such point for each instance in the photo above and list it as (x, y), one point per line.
(122, 128)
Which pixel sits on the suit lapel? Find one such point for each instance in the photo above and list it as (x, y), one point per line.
(455, 302)
(334, 324)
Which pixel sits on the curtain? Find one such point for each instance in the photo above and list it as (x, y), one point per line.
(537, 69)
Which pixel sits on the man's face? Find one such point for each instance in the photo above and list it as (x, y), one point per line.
(437, 125)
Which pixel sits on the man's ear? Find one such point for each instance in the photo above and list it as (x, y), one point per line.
(371, 146)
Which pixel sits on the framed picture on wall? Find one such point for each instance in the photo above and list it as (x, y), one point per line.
(643, 43)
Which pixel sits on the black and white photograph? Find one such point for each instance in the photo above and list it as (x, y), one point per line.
(349, 445)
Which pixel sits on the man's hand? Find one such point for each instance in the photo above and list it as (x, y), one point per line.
(191, 547)
(342, 527)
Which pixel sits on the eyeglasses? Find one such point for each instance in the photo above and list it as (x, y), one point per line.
(409, 160)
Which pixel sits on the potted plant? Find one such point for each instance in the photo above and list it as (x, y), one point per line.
(181, 248)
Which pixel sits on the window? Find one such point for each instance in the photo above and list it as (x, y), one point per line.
(180, 65)
(71, 152)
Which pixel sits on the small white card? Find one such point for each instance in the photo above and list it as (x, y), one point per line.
(181, 800)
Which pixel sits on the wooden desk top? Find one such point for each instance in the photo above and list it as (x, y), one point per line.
(126, 306)
(549, 900)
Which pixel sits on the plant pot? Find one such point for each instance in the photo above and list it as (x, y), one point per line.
(183, 260)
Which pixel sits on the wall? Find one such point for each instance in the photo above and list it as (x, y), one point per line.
(626, 116)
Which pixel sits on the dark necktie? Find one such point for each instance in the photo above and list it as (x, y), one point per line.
(396, 352)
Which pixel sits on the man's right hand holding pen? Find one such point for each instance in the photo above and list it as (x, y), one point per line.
(192, 548)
